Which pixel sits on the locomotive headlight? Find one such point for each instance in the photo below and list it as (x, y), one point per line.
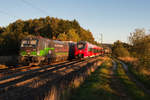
(38, 52)
(49, 51)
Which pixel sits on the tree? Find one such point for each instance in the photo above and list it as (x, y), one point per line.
(141, 46)
(136, 36)
(86, 35)
(137, 40)
(1, 30)
(72, 35)
(49, 27)
(62, 37)
(119, 50)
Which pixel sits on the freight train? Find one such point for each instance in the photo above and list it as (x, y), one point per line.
(36, 49)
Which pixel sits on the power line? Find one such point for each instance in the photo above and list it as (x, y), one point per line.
(35, 7)
(7, 14)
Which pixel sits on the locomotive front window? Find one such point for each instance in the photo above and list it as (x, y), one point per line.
(24, 43)
(29, 43)
(80, 46)
(33, 42)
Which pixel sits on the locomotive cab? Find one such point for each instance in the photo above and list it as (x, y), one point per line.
(29, 43)
(28, 50)
(81, 49)
(80, 45)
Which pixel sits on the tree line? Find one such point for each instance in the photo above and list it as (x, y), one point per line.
(49, 27)
(138, 47)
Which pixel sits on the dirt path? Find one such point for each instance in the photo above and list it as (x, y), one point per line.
(103, 84)
(117, 85)
(111, 81)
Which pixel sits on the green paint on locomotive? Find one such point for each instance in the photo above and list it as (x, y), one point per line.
(34, 53)
(23, 53)
(45, 51)
(62, 53)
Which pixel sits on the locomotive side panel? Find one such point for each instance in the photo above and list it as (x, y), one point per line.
(61, 50)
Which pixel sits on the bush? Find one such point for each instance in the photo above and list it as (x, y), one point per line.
(121, 52)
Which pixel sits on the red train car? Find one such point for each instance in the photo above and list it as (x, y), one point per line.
(85, 49)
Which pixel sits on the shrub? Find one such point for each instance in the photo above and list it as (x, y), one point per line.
(121, 52)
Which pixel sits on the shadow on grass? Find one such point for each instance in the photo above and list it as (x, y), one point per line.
(96, 87)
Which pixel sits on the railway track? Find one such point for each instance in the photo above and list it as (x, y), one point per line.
(37, 77)
(16, 76)
(19, 68)
(26, 69)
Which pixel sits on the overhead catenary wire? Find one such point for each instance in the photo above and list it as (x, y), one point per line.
(7, 14)
(35, 7)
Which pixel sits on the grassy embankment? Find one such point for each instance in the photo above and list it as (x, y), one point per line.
(97, 86)
(132, 90)
(142, 75)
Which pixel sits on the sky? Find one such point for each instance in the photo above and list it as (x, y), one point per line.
(114, 19)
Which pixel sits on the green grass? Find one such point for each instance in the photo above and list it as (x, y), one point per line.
(139, 76)
(132, 90)
(97, 86)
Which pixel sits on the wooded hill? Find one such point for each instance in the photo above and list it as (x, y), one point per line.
(49, 27)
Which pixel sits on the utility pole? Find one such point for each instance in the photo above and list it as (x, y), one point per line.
(103, 50)
(101, 38)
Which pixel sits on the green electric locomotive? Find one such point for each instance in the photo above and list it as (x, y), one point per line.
(36, 49)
